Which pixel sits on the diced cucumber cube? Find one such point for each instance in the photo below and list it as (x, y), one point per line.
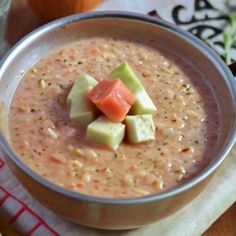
(140, 128)
(82, 109)
(84, 118)
(106, 132)
(125, 73)
(143, 104)
(81, 84)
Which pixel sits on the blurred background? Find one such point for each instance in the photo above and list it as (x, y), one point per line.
(26, 15)
(207, 19)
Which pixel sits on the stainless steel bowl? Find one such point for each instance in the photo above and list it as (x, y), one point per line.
(114, 213)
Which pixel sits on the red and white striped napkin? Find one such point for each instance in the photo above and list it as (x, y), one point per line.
(32, 219)
(14, 206)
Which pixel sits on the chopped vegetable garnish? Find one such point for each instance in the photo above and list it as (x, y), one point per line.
(82, 110)
(106, 132)
(140, 128)
(113, 98)
(125, 73)
(81, 84)
(143, 104)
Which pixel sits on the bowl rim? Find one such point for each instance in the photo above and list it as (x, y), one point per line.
(197, 43)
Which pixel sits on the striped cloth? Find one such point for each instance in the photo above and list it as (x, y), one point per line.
(17, 212)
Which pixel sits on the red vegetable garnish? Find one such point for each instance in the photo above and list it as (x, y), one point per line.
(113, 98)
(94, 51)
(80, 185)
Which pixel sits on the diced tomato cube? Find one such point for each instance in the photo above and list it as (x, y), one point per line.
(113, 98)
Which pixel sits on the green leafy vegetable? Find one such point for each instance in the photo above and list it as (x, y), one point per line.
(230, 37)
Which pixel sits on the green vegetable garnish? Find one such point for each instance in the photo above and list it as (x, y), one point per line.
(230, 37)
(106, 132)
(140, 128)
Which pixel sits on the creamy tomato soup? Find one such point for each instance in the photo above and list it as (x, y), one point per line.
(52, 145)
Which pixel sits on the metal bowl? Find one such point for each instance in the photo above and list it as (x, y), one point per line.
(116, 213)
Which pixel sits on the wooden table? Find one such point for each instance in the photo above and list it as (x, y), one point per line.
(21, 21)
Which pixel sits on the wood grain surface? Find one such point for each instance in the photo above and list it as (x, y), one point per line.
(21, 21)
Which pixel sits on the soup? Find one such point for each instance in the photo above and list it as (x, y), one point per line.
(186, 121)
